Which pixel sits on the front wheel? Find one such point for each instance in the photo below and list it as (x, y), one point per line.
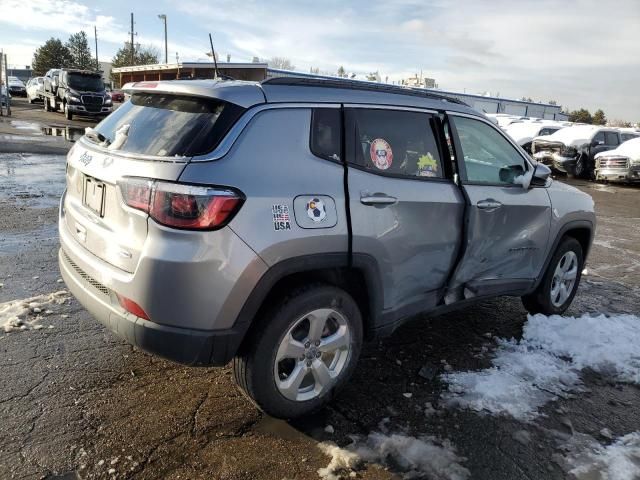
(67, 113)
(560, 282)
(301, 352)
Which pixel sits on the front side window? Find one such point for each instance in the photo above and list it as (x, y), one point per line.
(611, 138)
(393, 142)
(599, 138)
(488, 157)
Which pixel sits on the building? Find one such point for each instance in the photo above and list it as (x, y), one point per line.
(105, 68)
(23, 74)
(188, 70)
(420, 81)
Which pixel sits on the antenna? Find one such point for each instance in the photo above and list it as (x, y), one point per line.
(213, 54)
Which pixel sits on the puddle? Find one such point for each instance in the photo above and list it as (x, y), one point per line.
(67, 132)
(29, 126)
(34, 180)
(16, 242)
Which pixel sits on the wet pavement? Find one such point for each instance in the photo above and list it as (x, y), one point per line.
(76, 402)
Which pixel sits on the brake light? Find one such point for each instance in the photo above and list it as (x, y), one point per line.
(132, 307)
(182, 206)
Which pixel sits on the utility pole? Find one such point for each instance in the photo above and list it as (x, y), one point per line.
(132, 45)
(1, 82)
(6, 77)
(166, 51)
(95, 33)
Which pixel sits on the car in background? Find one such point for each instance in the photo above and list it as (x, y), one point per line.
(573, 149)
(117, 95)
(35, 87)
(524, 132)
(16, 87)
(628, 134)
(621, 164)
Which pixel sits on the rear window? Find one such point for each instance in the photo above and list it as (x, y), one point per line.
(167, 125)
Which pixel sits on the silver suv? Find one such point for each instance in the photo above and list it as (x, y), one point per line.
(279, 224)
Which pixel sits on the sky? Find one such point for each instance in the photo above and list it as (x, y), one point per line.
(581, 53)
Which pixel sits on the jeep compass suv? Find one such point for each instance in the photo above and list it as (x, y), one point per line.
(279, 224)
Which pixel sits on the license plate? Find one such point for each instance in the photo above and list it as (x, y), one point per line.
(93, 197)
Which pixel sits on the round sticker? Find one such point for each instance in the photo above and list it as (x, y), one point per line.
(381, 154)
(316, 210)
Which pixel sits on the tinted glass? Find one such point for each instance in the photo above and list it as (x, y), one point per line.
(169, 125)
(488, 156)
(628, 136)
(393, 141)
(599, 137)
(326, 132)
(547, 131)
(611, 138)
(84, 82)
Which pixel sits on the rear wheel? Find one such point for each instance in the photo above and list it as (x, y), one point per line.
(560, 282)
(301, 352)
(67, 113)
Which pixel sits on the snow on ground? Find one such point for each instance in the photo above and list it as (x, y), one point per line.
(423, 457)
(586, 459)
(28, 313)
(546, 363)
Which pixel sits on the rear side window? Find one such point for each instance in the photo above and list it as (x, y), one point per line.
(166, 125)
(326, 133)
(393, 142)
(611, 138)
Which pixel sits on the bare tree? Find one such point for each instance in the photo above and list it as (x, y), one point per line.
(281, 63)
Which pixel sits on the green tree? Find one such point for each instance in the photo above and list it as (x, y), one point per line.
(580, 116)
(147, 55)
(341, 72)
(78, 47)
(53, 54)
(599, 118)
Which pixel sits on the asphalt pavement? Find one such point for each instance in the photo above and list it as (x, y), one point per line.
(76, 402)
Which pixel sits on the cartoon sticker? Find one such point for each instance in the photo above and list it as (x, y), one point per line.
(281, 219)
(427, 166)
(381, 153)
(316, 210)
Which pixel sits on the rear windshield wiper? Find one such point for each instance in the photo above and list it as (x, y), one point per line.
(96, 137)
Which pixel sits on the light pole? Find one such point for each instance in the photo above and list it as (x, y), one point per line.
(166, 51)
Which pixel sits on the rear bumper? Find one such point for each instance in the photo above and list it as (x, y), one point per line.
(182, 345)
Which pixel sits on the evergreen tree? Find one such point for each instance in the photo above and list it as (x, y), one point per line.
(580, 116)
(53, 54)
(341, 72)
(80, 53)
(599, 118)
(141, 56)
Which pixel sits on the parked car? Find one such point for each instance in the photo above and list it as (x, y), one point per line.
(572, 149)
(117, 95)
(628, 134)
(16, 87)
(621, 164)
(281, 224)
(35, 87)
(76, 92)
(524, 132)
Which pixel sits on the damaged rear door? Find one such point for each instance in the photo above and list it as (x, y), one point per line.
(506, 225)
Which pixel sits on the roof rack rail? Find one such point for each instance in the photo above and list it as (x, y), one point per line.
(360, 85)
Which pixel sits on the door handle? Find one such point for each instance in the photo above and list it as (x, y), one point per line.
(378, 199)
(488, 205)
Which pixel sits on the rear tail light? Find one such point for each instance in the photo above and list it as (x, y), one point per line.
(182, 206)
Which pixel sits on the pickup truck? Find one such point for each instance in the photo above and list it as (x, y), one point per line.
(76, 92)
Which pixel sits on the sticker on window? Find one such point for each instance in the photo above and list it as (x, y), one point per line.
(427, 166)
(281, 219)
(381, 154)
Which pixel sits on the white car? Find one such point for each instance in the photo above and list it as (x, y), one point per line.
(16, 87)
(34, 89)
(524, 132)
(621, 164)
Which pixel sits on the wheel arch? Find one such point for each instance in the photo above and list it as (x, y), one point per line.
(360, 278)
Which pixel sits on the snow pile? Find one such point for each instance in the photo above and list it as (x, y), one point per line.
(26, 314)
(423, 457)
(630, 148)
(546, 363)
(524, 132)
(587, 459)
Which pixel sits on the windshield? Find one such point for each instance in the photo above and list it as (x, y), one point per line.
(85, 82)
(166, 125)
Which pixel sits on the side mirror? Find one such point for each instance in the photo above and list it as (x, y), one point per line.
(541, 175)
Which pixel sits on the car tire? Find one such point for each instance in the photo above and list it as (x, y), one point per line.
(29, 100)
(67, 113)
(581, 168)
(555, 292)
(266, 363)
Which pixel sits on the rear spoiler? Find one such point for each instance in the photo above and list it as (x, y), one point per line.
(243, 94)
